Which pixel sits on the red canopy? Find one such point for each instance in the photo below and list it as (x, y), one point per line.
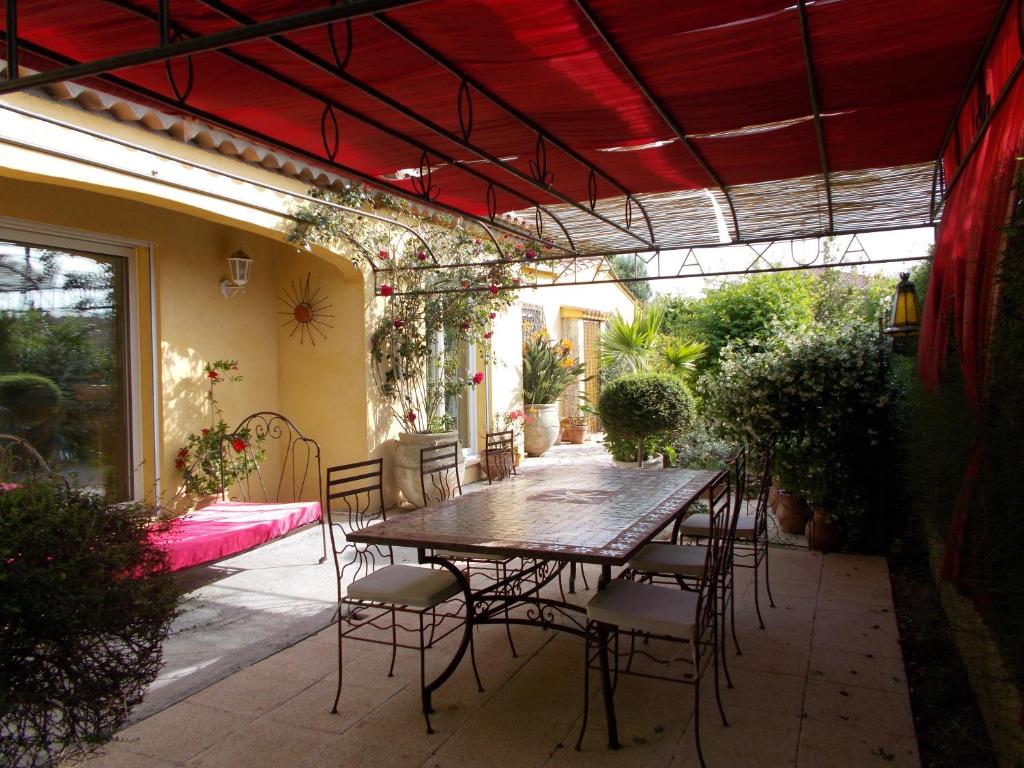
(565, 103)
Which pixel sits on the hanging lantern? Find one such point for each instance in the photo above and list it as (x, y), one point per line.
(905, 319)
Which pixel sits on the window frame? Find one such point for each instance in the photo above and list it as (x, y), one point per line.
(38, 235)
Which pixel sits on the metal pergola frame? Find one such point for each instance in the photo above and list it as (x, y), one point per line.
(175, 41)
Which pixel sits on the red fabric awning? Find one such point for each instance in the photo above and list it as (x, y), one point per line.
(732, 74)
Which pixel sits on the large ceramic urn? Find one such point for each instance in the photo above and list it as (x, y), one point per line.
(541, 429)
(407, 466)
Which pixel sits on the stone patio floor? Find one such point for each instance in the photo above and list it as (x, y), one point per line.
(822, 685)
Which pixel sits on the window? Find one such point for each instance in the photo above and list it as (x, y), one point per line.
(65, 362)
(460, 410)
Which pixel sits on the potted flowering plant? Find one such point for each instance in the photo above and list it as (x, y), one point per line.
(548, 368)
(215, 458)
(509, 421)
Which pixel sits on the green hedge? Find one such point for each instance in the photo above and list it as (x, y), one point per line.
(33, 400)
(642, 406)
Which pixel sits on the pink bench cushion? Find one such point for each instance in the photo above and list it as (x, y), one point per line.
(228, 528)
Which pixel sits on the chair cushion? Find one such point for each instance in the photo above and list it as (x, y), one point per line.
(405, 585)
(454, 554)
(660, 557)
(699, 526)
(645, 607)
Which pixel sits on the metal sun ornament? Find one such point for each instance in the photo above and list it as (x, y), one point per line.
(306, 311)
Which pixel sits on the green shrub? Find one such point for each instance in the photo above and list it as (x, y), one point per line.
(643, 406)
(32, 400)
(828, 395)
(85, 605)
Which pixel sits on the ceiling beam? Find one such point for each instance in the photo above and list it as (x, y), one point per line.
(212, 42)
(812, 87)
(668, 119)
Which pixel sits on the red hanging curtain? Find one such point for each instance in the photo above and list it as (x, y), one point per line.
(962, 283)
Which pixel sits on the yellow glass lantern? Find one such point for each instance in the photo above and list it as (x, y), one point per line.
(905, 319)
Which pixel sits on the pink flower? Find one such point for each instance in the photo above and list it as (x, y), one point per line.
(384, 255)
(493, 288)
(386, 290)
(478, 377)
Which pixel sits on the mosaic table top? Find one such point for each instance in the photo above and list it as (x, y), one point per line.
(595, 514)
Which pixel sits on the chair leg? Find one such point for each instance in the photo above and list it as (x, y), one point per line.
(586, 688)
(757, 598)
(337, 694)
(323, 536)
(606, 686)
(719, 636)
(732, 612)
(696, 703)
(424, 694)
(767, 581)
(394, 642)
(472, 661)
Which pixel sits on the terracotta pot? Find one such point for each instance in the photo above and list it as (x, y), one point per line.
(407, 463)
(541, 431)
(519, 456)
(575, 435)
(824, 535)
(792, 512)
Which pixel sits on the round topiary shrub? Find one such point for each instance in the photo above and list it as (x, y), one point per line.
(643, 406)
(32, 399)
(85, 605)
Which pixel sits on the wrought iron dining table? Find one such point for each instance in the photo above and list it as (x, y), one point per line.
(548, 517)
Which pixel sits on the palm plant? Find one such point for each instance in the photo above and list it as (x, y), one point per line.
(679, 357)
(628, 345)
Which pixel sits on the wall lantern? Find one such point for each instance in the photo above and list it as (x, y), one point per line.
(240, 265)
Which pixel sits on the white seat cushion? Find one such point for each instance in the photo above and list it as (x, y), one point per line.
(405, 585)
(660, 557)
(645, 607)
(454, 554)
(699, 525)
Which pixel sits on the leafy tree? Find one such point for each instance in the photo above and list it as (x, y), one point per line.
(626, 267)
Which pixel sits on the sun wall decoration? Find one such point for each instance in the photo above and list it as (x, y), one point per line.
(306, 312)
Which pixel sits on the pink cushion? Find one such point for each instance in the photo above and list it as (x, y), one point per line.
(229, 527)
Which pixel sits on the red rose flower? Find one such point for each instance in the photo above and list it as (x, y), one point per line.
(491, 315)
(421, 255)
(464, 325)
(179, 463)
(488, 334)
(478, 377)
(493, 288)
(410, 416)
(384, 254)
(531, 254)
(211, 374)
(398, 323)
(386, 290)
(465, 283)
(205, 430)
(515, 281)
(238, 444)
(182, 453)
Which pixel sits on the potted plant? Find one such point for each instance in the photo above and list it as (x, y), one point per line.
(214, 459)
(643, 410)
(548, 368)
(575, 428)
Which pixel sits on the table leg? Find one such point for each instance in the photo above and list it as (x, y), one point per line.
(572, 578)
(467, 634)
(605, 578)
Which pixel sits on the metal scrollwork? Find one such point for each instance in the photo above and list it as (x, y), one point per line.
(330, 133)
(539, 165)
(465, 110)
(492, 201)
(180, 93)
(340, 59)
(592, 189)
(629, 211)
(423, 183)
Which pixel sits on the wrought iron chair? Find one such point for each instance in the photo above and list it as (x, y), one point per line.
(438, 465)
(499, 455)
(20, 461)
(663, 614)
(683, 564)
(751, 537)
(381, 590)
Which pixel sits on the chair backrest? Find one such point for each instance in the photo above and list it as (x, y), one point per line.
(737, 467)
(439, 472)
(764, 488)
(20, 461)
(721, 511)
(499, 455)
(355, 500)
